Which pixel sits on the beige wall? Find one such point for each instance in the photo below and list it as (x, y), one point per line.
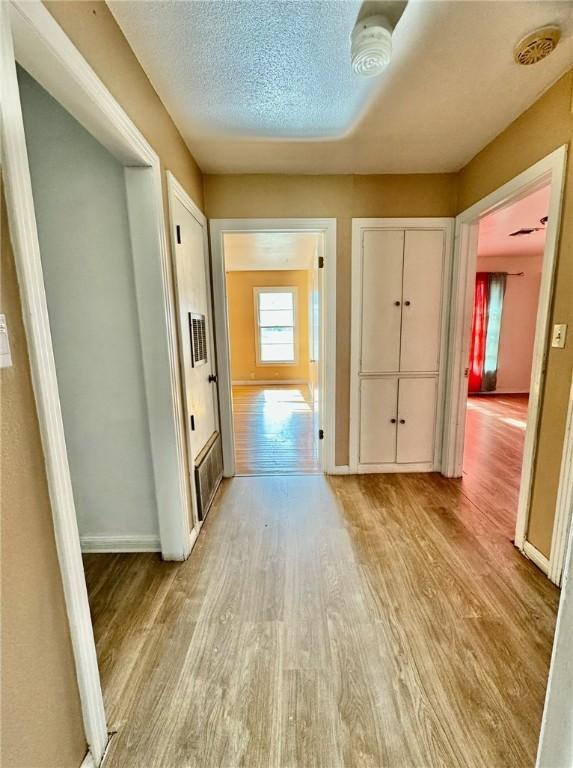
(242, 327)
(41, 717)
(343, 198)
(542, 128)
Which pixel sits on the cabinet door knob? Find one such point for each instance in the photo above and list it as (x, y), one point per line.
(402, 421)
(396, 303)
(392, 421)
(407, 303)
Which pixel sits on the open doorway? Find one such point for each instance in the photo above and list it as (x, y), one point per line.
(511, 242)
(536, 192)
(274, 289)
(273, 308)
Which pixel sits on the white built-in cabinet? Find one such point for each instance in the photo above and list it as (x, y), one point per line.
(400, 276)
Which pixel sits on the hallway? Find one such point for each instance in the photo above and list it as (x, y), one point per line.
(275, 430)
(351, 621)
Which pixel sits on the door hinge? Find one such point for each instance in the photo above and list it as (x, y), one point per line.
(321, 434)
(178, 232)
(192, 420)
(321, 262)
(466, 372)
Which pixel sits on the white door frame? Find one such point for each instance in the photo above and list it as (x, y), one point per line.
(564, 505)
(175, 191)
(551, 169)
(30, 35)
(326, 227)
(359, 226)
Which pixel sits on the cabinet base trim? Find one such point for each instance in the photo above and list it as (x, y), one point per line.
(381, 469)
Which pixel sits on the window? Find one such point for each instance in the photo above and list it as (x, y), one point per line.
(275, 313)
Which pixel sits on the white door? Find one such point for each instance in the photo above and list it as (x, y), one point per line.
(416, 420)
(378, 414)
(195, 328)
(382, 263)
(422, 300)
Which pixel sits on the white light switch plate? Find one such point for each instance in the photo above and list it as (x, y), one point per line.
(5, 356)
(559, 335)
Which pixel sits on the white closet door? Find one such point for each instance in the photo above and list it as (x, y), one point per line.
(422, 300)
(382, 265)
(378, 405)
(416, 420)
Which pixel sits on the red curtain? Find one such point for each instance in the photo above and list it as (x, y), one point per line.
(479, 329)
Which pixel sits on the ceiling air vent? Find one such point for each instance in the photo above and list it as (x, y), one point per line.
(537, 45)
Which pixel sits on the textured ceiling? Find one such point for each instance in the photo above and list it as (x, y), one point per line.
(494, 239)
(269, 250)
(267, 86)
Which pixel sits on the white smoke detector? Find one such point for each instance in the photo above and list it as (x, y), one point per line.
(371, 46)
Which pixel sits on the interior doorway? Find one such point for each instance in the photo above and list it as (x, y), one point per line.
(273, 308)
(510, 247)
(542, 182)
(273, 290)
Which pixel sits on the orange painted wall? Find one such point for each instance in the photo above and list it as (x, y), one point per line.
(242, 326)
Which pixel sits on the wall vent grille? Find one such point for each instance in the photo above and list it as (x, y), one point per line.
(198, 333)
(208, 474)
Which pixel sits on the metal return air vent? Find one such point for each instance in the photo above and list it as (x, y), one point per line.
(198, 333)
(208, 474)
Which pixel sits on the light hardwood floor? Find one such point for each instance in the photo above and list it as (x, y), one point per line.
(493, 453)
(353, 621)
(275, 430)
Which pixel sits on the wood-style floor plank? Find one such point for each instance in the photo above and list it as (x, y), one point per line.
(345, 622)
(275, 430)
(493, 454)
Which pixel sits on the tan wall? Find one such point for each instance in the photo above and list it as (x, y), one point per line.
(542, 128)
(242, 326)
(343, 198)
(41, 716)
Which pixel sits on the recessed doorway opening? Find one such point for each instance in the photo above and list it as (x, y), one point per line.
(510, 247)
(272, 298)
(475, 362)
(273, 290)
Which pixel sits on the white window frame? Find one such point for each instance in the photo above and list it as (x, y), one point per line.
(257, 290)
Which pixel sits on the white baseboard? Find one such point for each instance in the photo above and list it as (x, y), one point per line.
(266, 382)
(536, 557)
(340, 469)
(499, 392)
(145, 543)
(387, 469)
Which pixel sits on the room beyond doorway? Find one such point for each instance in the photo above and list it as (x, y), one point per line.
(509, 266)
(274, 297)
(273, 306)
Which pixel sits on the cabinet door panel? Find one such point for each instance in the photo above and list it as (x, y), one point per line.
(417, 408)
(382, 266)
(378, 404)
(422, 300)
